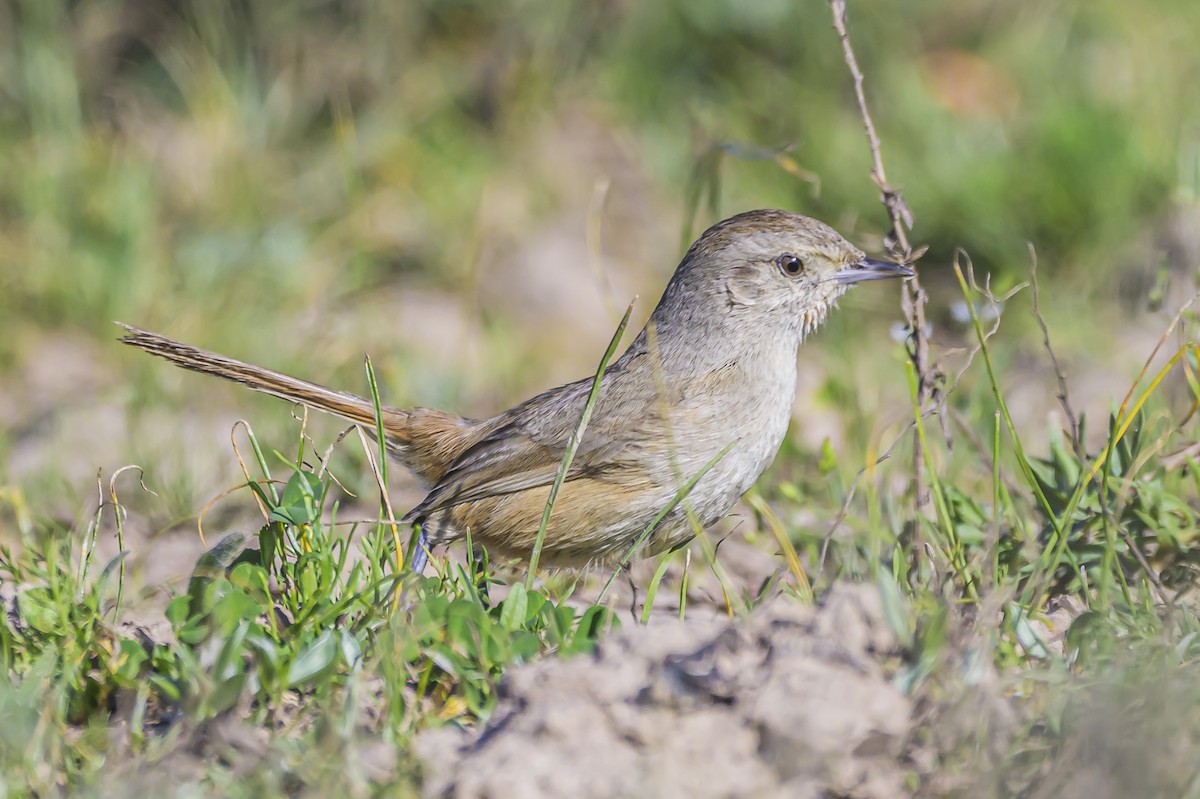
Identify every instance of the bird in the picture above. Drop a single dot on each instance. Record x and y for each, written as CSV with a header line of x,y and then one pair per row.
x,y
704,390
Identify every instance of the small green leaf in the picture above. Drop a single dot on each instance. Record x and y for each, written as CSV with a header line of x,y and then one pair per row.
x,y
253,579
308,584
300,504
828,462
127,662
236,606
317,658
38,609
969,535
594,621
268,652
211,565
227,692
177,610
516,604
535,602
1088,635
351,649
525,645
302,485
230,661
192,631
168,688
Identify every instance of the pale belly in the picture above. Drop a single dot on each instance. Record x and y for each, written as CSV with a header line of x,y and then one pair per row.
x,y
753,424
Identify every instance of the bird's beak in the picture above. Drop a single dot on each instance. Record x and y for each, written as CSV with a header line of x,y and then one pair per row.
x,y
870,269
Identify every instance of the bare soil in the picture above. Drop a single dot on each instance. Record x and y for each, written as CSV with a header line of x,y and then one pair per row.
x,y
792,701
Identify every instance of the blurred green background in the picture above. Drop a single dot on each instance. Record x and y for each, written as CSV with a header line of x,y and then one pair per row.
x,y
472,191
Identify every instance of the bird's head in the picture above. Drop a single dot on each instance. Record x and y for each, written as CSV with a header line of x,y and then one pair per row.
x,y
767,267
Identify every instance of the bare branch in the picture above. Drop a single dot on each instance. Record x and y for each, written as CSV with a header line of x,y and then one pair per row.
x,y
914,297
901,216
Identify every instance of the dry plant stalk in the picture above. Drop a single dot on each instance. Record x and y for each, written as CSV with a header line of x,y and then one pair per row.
x,y
914,297
1064,395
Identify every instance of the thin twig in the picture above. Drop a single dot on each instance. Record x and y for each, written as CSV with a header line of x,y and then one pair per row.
x,y
997,304
1064,396
1177,459
914,298
892,199
1160,589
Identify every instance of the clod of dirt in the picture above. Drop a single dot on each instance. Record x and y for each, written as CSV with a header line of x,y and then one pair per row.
x,y
790,702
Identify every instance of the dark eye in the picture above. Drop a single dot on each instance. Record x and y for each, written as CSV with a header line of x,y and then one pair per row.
x,y
789,264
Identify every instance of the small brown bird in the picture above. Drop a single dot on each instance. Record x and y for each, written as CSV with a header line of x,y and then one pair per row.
x,y
714,367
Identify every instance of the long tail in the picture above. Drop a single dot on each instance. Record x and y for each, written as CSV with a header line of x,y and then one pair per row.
x,y
425,440
349,406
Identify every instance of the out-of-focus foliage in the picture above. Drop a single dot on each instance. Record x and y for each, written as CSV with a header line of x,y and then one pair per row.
x,y
227,149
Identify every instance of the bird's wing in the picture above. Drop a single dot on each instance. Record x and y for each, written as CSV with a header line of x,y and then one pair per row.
x,y
528,444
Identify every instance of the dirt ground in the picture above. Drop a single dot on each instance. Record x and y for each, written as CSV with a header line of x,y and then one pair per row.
x,y
792,701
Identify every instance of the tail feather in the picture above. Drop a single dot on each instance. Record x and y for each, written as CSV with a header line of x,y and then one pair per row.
x,y
340,403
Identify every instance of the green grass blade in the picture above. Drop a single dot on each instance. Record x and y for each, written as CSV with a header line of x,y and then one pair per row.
x,y
572,445
662,514
655,582
385,507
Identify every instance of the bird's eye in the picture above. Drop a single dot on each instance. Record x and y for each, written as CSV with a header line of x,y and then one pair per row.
x,y
789,264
